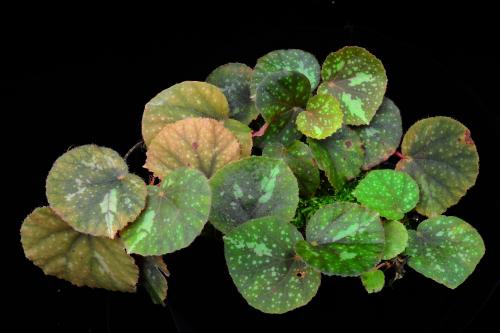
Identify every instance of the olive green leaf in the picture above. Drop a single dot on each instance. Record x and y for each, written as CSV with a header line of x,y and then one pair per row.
x,y
343,239
445,249
396,239
357,79
184,100
250,188
243,133
382,137
299,158
286,60
373,281
201,143
91,189
441,156
390,193
262,263
339,155
234,81
154,278
322,117
84,260
175,214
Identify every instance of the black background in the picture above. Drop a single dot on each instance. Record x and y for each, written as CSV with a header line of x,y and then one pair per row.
x,y
72,76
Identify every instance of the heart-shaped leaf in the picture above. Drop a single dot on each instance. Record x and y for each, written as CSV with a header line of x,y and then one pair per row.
x,y
175,214
339,155
396,239
286,60
184,100
343,239
154,278
250,188
234,81
382,137
357,79
322,117
84,260
262,262
388,192
299,158
445,249
201,143
91,189
373,281
441,156
243,133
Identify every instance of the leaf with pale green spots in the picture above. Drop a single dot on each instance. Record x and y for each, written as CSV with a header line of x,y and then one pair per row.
x,y
442,158
175,214
390,193
154,278
91,189
373,281
234,81
299,158
339,155
396,239
445,249
250,188
262,263
321,118
382,137
82,259
243,133
184,100
357,79
343,239
286,60
201,143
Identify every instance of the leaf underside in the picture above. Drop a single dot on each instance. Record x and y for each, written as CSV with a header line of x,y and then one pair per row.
x,y
373,281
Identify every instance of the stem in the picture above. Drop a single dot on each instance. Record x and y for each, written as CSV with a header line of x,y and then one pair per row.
x,y
398,154
261,130
131,150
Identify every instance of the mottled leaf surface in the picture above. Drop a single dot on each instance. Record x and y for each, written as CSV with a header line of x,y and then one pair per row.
x,y
243,133
91,189
373,281
154,278
321,118
396,239
262,262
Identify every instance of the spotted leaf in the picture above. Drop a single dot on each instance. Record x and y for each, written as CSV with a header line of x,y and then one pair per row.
x,y
396,239
373,281
154,278
243,134
322,117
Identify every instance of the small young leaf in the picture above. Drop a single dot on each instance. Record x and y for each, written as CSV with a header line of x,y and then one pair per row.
x,y
91,189
201,143
243,133
154,278
388,192
299,158
322,117
286,60
250,188
84,260
343,239
339,155
445,249
184,100
175,214
262,263
441,156
357,79
373,281
396,239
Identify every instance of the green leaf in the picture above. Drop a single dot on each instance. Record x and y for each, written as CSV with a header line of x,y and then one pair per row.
x,y
250,188
357,79
243,133
84,260
261,260
299,158
339,155
91,189
382,137
154,278
396,239
441,156
184,100
388,192
322,117
445,249
234,81
373,281
343,239
201,143
286,60
175,214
